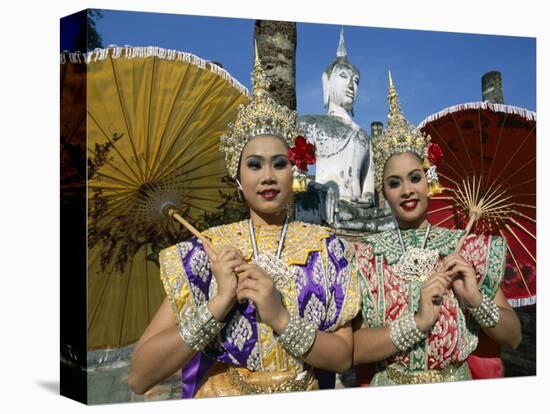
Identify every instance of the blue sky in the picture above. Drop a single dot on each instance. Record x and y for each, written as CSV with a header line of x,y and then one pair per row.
x,y
431,70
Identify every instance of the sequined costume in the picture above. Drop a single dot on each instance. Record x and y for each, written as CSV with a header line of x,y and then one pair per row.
x,y
386,295
318,287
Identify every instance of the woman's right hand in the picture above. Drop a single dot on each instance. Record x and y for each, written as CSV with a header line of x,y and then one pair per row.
x,y
223,267
431,296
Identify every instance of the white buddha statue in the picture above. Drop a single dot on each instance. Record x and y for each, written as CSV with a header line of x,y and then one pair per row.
x,y
343,155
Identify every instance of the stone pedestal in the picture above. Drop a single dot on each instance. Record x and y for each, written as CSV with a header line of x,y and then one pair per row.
x,y
108,379
351,235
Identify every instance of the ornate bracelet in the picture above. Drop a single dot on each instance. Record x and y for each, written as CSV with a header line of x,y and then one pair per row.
x,y
404,333
298,336
201,329
487,313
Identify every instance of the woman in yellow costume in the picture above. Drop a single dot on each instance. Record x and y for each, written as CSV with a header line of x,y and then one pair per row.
x,y
269,307
423,303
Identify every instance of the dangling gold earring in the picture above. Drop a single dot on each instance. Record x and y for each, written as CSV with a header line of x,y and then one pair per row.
x,y
239,191
381,199
433,180
239,186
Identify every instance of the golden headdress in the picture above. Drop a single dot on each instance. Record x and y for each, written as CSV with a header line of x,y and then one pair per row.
x,y
261,116
399,136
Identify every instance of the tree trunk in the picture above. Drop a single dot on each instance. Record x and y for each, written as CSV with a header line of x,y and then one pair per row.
x,y
276,43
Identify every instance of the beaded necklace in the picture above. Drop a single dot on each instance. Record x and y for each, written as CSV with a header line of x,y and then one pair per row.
x,y
271,264
255,244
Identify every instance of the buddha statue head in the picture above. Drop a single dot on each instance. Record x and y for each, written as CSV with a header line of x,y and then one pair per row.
x,y
340,81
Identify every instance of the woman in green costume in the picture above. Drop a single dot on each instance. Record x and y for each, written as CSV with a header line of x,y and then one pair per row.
x,y
423,302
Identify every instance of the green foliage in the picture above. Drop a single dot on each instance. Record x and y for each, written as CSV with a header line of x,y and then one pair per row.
x,y
94,38
88,37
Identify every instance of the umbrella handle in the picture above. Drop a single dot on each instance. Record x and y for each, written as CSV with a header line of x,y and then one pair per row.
x,y
469,226
174,214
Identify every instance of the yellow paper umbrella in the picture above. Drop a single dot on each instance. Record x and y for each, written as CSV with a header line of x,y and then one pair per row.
x,y
154,118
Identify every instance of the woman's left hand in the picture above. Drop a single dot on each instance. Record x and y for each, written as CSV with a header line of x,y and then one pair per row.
x,y
464,283
255,285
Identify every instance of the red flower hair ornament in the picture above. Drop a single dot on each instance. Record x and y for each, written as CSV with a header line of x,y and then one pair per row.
x,y
434,153
302,153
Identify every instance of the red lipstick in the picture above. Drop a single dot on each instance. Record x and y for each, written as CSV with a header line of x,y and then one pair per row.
x,y
269,194
409,205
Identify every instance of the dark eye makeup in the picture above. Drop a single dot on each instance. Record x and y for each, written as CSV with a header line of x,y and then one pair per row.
x,y
416,178
393,183
280,163
253,163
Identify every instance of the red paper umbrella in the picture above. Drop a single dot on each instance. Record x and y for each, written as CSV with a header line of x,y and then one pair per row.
x,y
489,168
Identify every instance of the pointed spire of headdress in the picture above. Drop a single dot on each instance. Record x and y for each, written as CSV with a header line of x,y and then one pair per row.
x,y
259,78
261,115
341,52
256,54
395,116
